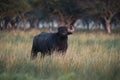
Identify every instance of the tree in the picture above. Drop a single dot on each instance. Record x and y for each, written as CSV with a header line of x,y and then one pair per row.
x,y
13,8
67,11
64,10
106,9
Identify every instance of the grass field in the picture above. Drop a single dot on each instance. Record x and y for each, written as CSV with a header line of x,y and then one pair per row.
x,y
90,56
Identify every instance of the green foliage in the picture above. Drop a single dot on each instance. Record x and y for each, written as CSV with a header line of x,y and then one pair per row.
x,y
13,7
69,76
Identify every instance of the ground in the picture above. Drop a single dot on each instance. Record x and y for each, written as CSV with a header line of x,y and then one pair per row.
x,y
91,55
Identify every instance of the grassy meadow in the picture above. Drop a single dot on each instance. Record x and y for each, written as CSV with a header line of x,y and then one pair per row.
x,y
90,56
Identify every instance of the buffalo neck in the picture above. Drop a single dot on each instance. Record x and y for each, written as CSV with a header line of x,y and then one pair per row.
x,y
61,37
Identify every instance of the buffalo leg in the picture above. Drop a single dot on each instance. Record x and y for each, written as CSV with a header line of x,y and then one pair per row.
x,y
42,55
33,55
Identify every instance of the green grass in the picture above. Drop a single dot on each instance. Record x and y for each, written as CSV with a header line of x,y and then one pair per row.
x,y
90,56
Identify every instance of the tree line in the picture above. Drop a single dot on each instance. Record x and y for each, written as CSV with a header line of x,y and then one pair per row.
x,y
66,11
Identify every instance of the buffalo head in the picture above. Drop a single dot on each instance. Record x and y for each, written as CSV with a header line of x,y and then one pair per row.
x,y
64,31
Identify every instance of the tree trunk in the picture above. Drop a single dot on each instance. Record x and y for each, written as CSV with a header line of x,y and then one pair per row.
x,y
60,16
62,19
21,15
24,24
108,26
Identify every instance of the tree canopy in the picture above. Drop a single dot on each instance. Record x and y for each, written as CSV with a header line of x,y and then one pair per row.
x,y
13,7
65,10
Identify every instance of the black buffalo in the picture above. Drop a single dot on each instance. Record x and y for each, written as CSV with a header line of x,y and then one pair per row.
x,y
46,42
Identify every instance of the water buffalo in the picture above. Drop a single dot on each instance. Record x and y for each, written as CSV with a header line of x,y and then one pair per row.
x,y
46,42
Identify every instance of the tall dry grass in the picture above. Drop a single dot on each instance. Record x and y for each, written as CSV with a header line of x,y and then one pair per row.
x,y
90,56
